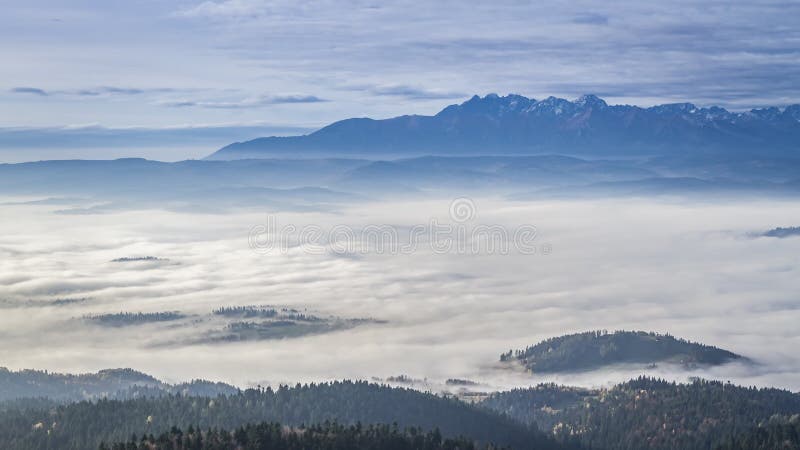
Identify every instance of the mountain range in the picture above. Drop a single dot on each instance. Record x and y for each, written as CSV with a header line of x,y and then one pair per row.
x,y
517,125
511,146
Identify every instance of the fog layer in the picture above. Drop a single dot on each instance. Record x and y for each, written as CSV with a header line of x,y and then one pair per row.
x,y
690,269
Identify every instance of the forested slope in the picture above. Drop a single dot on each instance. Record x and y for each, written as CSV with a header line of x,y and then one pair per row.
x,y
87,424
646,413
274,436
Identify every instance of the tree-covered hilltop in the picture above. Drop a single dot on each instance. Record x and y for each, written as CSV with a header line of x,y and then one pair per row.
x,y
111,383
779,432
86,424
646,412
280,329
231,324
595,349
263,322
57,386
274,436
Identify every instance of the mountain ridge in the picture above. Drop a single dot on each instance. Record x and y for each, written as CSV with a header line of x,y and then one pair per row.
x,y
517,125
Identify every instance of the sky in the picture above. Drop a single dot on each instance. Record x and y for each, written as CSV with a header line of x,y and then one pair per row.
x,y
287,67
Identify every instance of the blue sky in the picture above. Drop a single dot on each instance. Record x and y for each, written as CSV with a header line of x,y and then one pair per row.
x,y
294,65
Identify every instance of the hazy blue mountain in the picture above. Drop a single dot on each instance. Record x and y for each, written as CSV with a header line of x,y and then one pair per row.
x,y
494,125
491,172
85,187
781,232
676,186
131,175
98,186
109,383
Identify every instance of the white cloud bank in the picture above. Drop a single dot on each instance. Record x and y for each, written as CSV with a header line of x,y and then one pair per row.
x,y
686,269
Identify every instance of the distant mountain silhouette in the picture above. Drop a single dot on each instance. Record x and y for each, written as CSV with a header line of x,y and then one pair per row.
x,y
514,125
95,187
781,232
109,383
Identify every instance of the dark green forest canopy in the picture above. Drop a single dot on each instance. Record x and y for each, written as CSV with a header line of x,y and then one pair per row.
x,y
595,349
274,436
779,432
642,413
86,424
646,412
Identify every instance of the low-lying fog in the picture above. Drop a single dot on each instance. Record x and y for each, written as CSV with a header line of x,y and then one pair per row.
x,y
690,269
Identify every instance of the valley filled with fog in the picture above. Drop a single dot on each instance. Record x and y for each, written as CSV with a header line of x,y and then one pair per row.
x,y
695,269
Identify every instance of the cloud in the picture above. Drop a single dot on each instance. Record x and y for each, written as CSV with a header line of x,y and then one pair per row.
x,y
414,92
740,56
166,143
668,266
29,90
591,19
294,99
254,102
126,91
111,90
90,92
229,8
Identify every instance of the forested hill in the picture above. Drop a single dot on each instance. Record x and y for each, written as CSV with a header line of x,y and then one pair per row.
x,y
274,436
649,413
111,383
86,424
595,349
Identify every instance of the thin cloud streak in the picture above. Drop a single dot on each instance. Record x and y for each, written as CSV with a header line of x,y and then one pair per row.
x,y
91,92
29,90
258,102
414,93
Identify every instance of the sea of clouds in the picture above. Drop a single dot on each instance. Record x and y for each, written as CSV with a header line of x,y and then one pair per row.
x,y
692,269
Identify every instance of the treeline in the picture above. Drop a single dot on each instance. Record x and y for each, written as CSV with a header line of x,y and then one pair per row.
x,y
459,382
274,436
138,258
265,312
646,412
246,312
86,424
300,317
595,349
129,318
